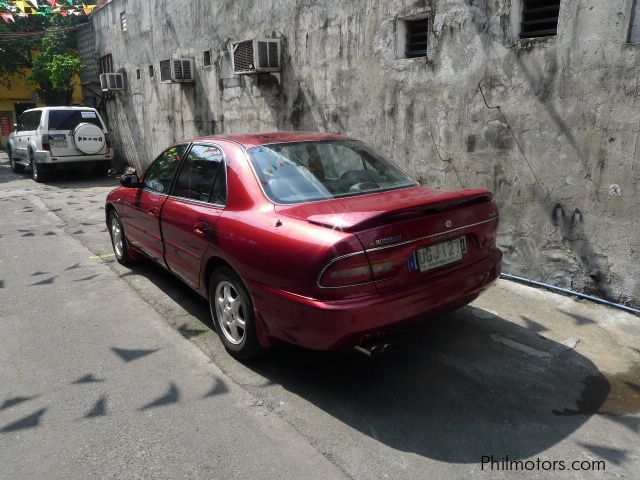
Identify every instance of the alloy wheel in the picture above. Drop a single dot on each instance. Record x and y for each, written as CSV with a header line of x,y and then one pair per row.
x,y
230,312
116,236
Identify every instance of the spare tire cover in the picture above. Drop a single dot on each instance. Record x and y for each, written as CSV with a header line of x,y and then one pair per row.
x,y
88,138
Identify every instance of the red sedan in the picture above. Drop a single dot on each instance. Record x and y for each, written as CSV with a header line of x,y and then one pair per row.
x,y
308,238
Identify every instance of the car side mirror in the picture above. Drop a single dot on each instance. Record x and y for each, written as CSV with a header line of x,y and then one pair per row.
x,y
130,181
16,127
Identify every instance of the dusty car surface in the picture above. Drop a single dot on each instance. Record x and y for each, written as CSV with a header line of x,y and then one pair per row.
x,y
52,138
308,238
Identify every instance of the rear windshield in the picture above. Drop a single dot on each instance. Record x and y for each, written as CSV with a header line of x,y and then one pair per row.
x,y
310,171
69,119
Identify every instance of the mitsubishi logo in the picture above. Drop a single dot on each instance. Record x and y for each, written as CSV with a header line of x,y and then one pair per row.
x,y
385,241
448,223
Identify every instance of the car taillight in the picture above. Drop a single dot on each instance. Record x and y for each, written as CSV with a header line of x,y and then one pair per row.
x,y
45,143
346,272
107,139
386,264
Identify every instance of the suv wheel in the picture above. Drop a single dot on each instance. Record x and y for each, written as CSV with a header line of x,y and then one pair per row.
x,y
232,313
37,171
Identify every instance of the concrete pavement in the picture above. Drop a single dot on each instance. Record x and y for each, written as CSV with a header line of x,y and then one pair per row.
x,y
95,384
100,375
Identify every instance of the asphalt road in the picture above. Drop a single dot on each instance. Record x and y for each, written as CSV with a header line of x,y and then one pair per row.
x,y
108,372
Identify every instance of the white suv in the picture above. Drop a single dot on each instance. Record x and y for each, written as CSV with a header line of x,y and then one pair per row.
x,y
60,137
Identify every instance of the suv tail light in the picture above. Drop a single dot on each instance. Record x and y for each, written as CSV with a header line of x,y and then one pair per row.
x,y
346,272
45,143
107,139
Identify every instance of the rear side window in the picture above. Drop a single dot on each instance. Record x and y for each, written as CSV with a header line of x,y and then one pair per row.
x,y
69,119
30,120
201,171
160,174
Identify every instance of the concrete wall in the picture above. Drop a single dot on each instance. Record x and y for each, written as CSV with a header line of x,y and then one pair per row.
x,y
89,75
551,126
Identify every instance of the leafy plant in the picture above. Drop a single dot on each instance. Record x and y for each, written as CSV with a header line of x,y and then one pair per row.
x,y
15,53
52,58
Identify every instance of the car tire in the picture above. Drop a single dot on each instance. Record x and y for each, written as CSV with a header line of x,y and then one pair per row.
x,y
38,173
15,167
232,313
119,241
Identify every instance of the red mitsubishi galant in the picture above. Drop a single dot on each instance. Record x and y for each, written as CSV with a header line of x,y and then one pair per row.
x,y
308,238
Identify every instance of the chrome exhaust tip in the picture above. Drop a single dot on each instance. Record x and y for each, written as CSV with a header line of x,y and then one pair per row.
x,y
371,351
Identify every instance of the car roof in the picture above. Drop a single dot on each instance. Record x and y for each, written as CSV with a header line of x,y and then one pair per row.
x,y
249,140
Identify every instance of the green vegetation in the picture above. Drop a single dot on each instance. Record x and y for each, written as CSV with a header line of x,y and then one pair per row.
x,y
53,57
15,53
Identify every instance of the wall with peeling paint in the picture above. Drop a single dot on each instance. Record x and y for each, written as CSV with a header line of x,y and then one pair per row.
x,y
550,126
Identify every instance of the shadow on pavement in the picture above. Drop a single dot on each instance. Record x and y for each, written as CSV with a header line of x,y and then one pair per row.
x,y
466,385
177,291
64,179
30,421
450,391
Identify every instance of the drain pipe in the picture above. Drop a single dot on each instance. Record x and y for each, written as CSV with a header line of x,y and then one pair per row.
x,y
569,292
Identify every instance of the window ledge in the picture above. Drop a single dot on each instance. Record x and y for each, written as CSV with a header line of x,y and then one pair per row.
x,y
527,43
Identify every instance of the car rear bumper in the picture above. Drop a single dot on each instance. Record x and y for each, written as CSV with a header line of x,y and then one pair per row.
x,y
46,157
323,325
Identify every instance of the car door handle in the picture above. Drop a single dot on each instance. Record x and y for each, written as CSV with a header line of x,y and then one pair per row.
x,y
202,228
153,211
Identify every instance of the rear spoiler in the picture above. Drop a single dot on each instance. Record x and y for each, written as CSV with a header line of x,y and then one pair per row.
x,y
441,202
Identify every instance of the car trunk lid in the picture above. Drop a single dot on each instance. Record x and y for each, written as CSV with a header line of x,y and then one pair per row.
x,y
394,227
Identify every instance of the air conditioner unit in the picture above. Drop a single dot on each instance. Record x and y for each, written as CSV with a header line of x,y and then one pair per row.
x,y
256,56
176,70
111,82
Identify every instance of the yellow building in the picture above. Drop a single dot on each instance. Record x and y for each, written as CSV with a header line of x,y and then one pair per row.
x,y
19,94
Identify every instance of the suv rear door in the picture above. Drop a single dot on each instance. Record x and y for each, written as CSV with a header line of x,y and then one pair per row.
x,y
60,126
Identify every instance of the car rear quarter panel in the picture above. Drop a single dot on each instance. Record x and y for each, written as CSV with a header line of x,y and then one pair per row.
x,y
263,247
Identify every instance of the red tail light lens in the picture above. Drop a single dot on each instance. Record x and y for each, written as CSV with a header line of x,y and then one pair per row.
x,y
45,143
346,272
107,139
386,264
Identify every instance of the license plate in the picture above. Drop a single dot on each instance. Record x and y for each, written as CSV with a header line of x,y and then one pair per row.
x,y
440,254
58,141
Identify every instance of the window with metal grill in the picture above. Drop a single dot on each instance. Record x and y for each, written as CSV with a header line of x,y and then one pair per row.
x,y
416,41
106,64
165,70
539,18
123,22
